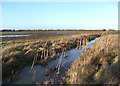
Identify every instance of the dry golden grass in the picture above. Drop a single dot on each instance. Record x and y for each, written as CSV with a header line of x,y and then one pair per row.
x,y
98,65
15,56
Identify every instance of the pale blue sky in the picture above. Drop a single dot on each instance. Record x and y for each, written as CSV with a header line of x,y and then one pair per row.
x,y
80,15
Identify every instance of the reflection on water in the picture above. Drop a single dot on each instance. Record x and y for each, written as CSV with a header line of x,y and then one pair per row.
x,y
38,72
13,35
26,77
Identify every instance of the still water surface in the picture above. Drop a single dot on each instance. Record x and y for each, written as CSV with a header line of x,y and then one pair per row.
x,y
39,72
13,35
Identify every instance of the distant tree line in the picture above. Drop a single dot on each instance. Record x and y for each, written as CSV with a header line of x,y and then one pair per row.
x,y
10,30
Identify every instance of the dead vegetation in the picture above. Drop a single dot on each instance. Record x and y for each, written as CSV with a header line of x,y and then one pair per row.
x,y
98,65
14,57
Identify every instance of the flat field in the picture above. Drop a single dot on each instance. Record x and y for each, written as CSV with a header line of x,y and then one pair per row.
x,y
40,35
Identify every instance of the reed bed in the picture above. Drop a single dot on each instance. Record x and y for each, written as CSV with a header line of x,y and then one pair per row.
x,y
16,56
98,65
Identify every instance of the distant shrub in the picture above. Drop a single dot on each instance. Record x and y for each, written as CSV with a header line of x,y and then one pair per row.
x,y
104,29
111,30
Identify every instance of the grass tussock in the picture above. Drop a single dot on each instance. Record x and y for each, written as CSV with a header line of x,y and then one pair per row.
x,y
98,65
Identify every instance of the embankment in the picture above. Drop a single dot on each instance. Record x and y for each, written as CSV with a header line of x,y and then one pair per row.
x,y
98,65
14,57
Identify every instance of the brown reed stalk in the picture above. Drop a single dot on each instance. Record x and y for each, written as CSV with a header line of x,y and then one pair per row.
x,y
33,62
47,52
64,53
80,45
107,40
58,66
45,56
54,51
86,43
12,74
85,40
52,81
64,62
83,43
77,44
42,55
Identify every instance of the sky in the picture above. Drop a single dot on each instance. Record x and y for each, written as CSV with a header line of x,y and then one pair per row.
x,y
60,15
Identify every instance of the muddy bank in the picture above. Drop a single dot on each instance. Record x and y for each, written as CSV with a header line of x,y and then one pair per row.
x,y
98,65
16,56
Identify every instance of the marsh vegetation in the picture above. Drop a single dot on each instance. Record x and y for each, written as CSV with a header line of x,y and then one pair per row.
x,y
98,65
18,52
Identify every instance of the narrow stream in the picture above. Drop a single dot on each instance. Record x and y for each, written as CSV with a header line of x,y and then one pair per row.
x,y
38,73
